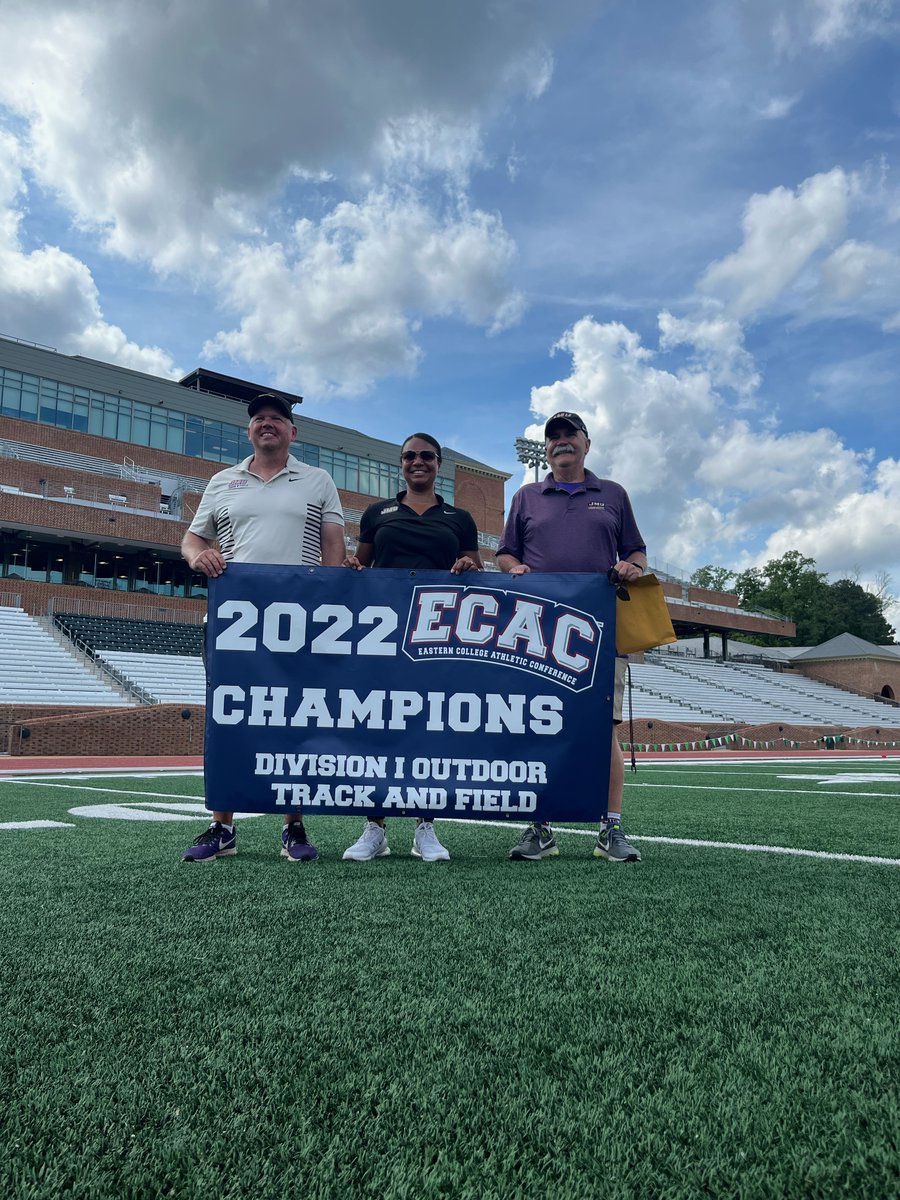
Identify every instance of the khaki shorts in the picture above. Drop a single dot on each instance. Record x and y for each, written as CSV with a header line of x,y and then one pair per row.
x,y
619,690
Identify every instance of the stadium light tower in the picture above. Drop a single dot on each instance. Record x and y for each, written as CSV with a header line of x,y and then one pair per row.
x,y
531,454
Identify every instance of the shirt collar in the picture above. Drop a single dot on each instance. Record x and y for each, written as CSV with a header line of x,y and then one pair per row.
x,y
293,466
590,480
401,496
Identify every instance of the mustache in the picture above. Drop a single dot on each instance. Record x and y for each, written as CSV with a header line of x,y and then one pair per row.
x,y
563,448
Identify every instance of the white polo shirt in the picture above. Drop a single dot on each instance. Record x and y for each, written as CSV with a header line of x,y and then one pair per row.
x,y
278,520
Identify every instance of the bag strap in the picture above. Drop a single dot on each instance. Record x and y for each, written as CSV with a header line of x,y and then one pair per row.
x,y
631,720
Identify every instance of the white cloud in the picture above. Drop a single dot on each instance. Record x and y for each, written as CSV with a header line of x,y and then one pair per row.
x,y
861,529
783,230
270,149
778,107
718,343
853,268
836,21
339,303
707,486
253,95
48,296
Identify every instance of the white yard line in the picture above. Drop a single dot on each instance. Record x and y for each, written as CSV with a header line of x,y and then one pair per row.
x,y
751,848
705,787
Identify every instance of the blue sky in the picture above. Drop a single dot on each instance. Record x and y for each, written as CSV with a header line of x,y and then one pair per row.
x,y
682,221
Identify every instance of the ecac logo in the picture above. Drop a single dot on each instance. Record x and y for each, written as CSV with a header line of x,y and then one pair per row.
x,y
527,633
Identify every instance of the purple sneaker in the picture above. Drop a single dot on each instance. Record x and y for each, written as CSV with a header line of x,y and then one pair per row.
x,y
214,842
295,845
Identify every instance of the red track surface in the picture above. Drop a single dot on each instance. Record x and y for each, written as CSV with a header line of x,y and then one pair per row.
x,y
21,764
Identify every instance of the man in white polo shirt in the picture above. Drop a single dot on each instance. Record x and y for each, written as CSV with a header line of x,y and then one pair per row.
x,y
270,508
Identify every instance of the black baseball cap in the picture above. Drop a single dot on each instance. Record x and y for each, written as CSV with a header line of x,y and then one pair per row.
x,y
570,418
273,400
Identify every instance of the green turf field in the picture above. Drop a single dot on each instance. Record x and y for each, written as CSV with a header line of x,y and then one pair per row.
x,y
710,1022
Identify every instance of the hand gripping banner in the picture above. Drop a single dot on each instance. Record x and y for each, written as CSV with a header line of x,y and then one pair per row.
x,y
415,693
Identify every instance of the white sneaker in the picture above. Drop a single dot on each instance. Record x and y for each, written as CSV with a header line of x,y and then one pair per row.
x,y
426,845
372,844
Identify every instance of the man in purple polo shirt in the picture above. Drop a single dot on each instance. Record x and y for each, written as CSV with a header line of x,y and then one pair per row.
x,y
573,521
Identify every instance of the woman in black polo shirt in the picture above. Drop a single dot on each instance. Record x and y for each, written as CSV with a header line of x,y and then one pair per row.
x,y
418,531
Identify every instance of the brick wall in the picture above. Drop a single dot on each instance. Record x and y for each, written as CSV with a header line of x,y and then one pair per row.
x,y
154,730
163,729
35,597
108,448
47,479
656,732
867,677
95,524
11,714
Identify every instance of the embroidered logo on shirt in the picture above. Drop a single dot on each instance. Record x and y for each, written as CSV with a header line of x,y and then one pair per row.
x,y
596,504
238,483
392,508
449,512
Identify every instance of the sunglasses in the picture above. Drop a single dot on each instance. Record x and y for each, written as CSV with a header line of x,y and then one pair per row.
x,y
410,456
621,592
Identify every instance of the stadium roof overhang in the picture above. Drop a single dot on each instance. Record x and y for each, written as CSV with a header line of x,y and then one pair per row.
x,y
203,380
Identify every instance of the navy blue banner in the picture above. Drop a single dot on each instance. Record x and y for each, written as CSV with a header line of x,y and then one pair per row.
x,y
414,693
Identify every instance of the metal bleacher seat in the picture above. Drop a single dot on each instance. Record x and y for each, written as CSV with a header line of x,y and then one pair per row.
x,y
753,695
168,678
114,633
36,669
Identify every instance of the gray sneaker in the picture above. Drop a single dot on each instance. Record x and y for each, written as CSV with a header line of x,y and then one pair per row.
x,y
537,842
427,846
371,844
613,845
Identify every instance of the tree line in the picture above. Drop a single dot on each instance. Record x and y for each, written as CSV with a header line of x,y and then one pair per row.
x,y
791,587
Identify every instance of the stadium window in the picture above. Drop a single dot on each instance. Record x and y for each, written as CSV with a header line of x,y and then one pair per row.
x,y
28,410
158,428
110,416
63,418
175,433
231,444
95,414
140,424
12,395
212,440
48,402
193,439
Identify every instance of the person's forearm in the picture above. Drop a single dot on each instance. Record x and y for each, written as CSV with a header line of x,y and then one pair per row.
x,y
192,545
506,562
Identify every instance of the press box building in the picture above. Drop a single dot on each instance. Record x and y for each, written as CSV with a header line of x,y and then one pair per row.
x,y
102,468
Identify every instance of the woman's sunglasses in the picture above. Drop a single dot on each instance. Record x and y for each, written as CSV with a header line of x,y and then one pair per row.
x,y
409,456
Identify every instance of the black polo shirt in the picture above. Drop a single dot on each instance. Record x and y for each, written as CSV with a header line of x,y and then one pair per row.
x,y
401,538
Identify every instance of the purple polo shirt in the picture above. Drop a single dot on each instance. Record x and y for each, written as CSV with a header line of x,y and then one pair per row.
x,y
550,530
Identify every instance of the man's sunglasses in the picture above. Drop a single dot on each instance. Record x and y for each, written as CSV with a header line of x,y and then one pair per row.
x,y
621,591
410,456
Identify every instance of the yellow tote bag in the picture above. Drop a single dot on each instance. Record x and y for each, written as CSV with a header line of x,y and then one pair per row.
x,y
642,619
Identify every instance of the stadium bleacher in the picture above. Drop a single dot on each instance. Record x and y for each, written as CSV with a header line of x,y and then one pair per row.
x,y
670,686
160,658
36,669
145,637
168,678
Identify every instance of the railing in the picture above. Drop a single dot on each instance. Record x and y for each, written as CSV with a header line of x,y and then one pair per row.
x,y
8,337
88,496
134,690
10,599
128,612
